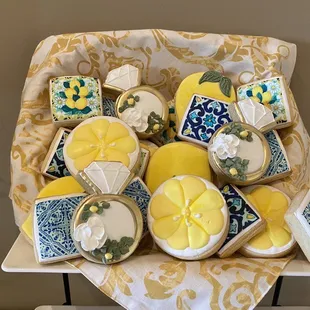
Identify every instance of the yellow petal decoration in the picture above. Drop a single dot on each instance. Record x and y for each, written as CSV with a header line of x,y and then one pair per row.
x,y
257,90
83,91
101,138
186,213
272,206
81,103
74,83
70,92
266,97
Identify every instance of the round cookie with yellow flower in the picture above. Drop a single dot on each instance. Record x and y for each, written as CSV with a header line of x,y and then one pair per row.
x,y
210,84
101,138
74,99
276,240
188,217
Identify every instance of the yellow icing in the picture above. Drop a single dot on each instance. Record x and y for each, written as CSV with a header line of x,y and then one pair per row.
x,y
190,86
179,158
272,206
62,186
187,213
100,140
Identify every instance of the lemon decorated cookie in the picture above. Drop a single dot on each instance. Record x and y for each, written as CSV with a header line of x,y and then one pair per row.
x,y
175,159
188,217
276,240
212,84
101,138
62,186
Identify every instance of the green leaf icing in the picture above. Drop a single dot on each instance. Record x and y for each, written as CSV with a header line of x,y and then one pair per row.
x,y
236,129
241,165
126,105
154,119
87,213
217,77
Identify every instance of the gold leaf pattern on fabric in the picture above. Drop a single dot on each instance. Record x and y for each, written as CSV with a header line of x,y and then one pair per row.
x,y
165,59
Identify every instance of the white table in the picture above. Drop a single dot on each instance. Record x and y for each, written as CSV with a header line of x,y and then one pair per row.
x,y
21,259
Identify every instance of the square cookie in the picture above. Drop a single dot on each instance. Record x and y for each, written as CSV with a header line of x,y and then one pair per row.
x,y
139,192
298,219
74,99
279,166
51,228
202,118
54,164
245,221
273,93
144,160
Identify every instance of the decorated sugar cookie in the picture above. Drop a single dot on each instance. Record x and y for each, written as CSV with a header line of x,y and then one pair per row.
x,y
239,153
51,228
188,217
74,99
272,93
62,186
144,160
103,139
253,113
245,220
104,177
106,229
279,166
298,219
54,164
124,77
176,159
144,109
209,84
148,145
203,117
276,240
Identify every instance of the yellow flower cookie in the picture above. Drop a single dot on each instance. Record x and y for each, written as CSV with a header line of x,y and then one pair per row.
x,y
188,217
210,86
276,240
175,159
101,138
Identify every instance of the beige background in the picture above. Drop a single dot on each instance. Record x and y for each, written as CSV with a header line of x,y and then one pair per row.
x,y
24,23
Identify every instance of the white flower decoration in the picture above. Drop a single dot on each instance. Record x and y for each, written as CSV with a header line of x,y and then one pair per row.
x,y
225,146
135,118
91,234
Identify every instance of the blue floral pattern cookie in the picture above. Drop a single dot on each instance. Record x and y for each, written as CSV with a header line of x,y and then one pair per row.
x,y
202,118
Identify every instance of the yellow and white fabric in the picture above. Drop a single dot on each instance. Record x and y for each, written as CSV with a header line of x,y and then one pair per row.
x,y
151,279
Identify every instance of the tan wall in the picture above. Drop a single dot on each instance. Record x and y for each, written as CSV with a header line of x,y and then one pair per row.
x,y
24,23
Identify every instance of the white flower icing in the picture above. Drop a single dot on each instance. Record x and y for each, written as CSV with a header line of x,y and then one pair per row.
x,y
225,146
91,234
135,118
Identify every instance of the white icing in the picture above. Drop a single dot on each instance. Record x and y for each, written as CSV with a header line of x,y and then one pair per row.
x,y
133,157
189,253
118,221
148,102
124,77
256,114
109,177
91,234
135,118
253,151
273,250
225,146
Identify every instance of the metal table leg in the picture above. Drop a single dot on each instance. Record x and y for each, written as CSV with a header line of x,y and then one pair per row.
x,y
277,291
66,284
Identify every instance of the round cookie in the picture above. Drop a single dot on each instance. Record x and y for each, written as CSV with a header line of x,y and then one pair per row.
x,y
144,109
62,186
210,86
239,153
188,217
175,159
276,240
101,138
107,229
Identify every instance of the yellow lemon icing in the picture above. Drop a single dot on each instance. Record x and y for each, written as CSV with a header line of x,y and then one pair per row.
x,y
272,205
101,138
188,217
190,86
175,159
63,186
